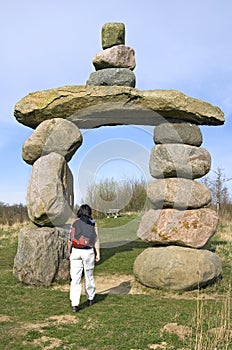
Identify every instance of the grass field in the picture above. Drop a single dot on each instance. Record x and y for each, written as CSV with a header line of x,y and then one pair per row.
x,y
41,317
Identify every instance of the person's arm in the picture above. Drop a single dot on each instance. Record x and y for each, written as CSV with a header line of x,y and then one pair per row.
x,y
97,245
71,236
69,248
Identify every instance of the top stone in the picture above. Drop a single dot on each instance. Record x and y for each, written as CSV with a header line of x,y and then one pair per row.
x,y
113,34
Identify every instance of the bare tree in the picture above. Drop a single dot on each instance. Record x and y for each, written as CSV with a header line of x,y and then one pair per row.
x,y
220,194
127,195
11,214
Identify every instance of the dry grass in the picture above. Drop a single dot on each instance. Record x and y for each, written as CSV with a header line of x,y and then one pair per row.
x,y
15,227
225,230
207,335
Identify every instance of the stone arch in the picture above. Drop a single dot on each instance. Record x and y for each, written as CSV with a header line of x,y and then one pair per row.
x,y
180,216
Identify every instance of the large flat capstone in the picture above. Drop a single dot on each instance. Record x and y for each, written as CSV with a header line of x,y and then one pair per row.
x,y
94,106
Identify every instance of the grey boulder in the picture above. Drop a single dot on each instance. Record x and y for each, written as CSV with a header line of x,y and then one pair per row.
x,y
42,255
50,191
178,160
54,135
112,76
190,228
178,193
178,132
177,268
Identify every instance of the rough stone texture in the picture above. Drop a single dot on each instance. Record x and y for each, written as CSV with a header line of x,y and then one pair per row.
x,y
50,191
178,160
191,228
112,76
177,268
42,255
93,106
119,56
113,34
54,135
178,132
178,193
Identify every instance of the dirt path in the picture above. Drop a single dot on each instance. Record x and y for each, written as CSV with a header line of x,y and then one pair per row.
x,y
115,284
126,284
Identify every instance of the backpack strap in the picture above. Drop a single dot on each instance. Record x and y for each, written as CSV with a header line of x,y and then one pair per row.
x,y
72,230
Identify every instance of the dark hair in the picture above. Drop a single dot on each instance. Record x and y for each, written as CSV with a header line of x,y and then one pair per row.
x,y
84,210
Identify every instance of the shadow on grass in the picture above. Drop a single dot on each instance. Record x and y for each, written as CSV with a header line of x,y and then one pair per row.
x,y
98,299
110,249
121,289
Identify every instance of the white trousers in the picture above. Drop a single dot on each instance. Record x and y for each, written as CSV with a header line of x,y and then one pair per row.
x,y
82,259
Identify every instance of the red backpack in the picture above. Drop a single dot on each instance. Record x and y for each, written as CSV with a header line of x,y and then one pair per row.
x,y
82,234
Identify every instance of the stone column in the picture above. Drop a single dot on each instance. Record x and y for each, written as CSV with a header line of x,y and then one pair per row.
x,y
115,64
181,221
42,246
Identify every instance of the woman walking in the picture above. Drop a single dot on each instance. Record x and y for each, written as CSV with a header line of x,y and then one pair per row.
x,y
85,250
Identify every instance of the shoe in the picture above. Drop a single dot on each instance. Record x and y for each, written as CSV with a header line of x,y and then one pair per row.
x,y
75,308
90,302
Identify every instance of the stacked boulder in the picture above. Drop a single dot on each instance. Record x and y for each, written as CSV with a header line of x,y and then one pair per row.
x,y
181,222
42,250
114,65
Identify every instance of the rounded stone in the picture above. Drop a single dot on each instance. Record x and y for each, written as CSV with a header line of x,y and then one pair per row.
x,y
54,135
189,228
50,191
177,268
178,193
113,34
178,160
178,132
112,76
119,56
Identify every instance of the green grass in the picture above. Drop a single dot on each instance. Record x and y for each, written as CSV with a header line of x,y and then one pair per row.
x,y
114,232
40,317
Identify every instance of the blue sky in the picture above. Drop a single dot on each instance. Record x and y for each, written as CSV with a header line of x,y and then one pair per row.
x,y
182,45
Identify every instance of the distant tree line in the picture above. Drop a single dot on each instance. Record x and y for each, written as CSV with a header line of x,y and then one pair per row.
x,y
11,214
128,196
